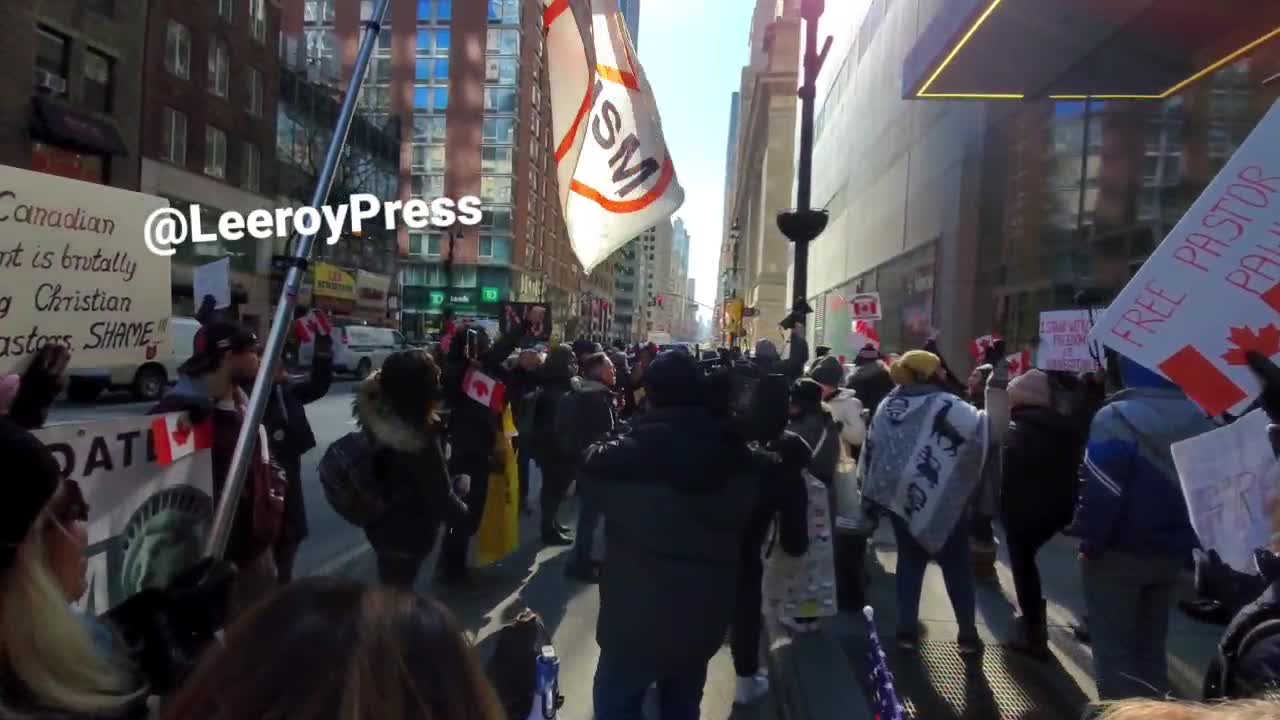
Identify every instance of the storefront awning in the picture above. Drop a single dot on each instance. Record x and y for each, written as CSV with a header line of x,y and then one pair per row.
x,y
1072,49
63,125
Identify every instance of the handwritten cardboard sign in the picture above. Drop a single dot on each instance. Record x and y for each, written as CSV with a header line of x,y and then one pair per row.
x,y
1211,290
1064,341
1227,479
213,279
74,271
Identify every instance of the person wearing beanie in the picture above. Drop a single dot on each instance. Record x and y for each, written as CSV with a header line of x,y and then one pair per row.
x,y
525,381
1041,459
675,511
557,374
926,455
870,380
983,536
58,661
586,416
766,356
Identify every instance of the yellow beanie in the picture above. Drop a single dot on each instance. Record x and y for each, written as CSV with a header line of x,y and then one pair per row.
x,y
914,367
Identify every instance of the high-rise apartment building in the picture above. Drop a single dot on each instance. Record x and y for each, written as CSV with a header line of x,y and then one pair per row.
x,y
466,83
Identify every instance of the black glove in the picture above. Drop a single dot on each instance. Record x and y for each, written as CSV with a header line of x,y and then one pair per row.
x,y
166,629
1217,581
40,386
795,452
1269,375
207,309
323,348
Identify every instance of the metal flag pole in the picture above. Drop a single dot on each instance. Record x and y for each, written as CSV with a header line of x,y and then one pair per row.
x,y
231,491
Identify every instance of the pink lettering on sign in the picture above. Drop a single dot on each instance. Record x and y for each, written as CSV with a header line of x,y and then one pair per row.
x,y
1153,307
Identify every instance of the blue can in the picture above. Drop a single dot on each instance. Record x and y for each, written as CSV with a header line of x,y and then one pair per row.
x,y
548,682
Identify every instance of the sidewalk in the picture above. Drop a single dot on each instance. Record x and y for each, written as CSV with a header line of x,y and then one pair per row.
x,y
814,672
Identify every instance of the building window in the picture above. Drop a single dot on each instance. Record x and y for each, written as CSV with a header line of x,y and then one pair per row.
x,y
258,20
500,99
464,277
428,158
428,186
434,241
177,50
366,10
495,189
318,11
485,247
224,8
495,160
440,11
173,136
219,68
504,11
51,62
504,41
431,70
254,78
431,99
97,81
504,71
499,130
215,152
252,167
428,129
433,42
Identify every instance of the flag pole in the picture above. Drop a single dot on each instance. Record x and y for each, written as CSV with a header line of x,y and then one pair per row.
x,y
231,492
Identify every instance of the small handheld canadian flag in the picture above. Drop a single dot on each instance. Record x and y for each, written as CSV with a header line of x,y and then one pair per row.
x,y
865,329
485,390
175,438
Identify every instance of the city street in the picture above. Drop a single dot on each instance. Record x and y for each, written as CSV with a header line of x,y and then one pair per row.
x,y
533,577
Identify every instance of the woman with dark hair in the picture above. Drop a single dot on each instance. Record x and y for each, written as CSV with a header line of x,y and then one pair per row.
x,y
330,649
396,408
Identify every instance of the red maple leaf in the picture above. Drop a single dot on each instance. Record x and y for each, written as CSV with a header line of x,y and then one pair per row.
x,y
180,434
1265,341
480,388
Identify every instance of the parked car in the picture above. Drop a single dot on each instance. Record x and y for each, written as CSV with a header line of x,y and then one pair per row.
x,y
358,349
146,381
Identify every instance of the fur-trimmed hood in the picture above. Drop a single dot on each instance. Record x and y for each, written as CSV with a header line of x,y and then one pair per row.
x,y
375,417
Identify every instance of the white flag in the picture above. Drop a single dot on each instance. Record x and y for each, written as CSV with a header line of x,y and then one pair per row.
x,y
616,178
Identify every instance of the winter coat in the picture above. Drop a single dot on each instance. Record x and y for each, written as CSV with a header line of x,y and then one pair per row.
x,y
546,448
1041,455
1130,497
846,409
290,436
872,383
599,413
675,510
825,457
410,470
473,427
191,395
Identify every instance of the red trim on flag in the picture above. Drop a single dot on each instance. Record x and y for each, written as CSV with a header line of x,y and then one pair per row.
x,y
567,143
1202,381
619,77
628,206
162,441
1272,298
553,11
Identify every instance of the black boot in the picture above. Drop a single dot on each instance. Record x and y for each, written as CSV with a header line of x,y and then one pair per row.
x,y
1033,639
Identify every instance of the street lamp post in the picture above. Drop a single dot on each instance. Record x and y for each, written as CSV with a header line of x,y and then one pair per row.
x,y
735,235
802,223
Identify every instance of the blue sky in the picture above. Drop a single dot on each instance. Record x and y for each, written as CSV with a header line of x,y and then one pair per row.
x,y
693,52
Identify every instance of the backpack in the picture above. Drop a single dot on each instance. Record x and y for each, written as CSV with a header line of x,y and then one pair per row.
x,y
570,429
347,473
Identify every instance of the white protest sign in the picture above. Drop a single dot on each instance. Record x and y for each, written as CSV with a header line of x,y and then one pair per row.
x,y
74,270
865,306
147,521
1211,290
1064,341
213,279
1226,477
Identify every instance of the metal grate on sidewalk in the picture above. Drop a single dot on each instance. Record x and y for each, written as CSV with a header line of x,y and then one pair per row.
x,y
936,683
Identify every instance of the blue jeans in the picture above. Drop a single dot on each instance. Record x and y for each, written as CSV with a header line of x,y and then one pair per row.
x,y
957,575
621,685
585,535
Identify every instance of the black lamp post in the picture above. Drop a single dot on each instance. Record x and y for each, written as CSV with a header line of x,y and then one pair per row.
x,y
802,224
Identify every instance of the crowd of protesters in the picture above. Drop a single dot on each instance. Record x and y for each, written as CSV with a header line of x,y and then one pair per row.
x,y
697,499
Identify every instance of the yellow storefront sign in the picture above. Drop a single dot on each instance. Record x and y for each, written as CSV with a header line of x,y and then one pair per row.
x,y
332,281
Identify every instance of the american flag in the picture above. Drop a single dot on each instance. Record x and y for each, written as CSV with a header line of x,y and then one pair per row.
x,y
887,705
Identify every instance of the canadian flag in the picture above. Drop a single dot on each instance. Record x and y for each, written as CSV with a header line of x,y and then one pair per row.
x,y
175,437
865,329
311,325
616,177
485,390
978,348
1019,363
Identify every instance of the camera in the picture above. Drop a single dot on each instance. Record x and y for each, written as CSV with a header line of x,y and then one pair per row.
x,y
754,404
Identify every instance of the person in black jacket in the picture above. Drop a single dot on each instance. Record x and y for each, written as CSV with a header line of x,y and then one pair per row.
x,y
870,379
1041,456
595,417
396,407
558,371
524,384
290,437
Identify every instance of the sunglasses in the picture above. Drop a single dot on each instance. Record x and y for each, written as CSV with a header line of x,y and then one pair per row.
x,y
71,506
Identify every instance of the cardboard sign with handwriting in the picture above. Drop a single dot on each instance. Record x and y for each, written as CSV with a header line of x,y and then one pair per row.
x,y
1211,291
74,271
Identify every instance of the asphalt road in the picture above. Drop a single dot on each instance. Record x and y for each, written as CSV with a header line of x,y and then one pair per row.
x,y
532,577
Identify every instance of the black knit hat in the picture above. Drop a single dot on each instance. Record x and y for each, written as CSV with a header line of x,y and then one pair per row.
x,y
31,478
806,394
213,341
560,364
828,371
868,354
674,380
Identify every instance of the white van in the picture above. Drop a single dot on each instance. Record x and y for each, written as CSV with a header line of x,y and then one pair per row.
x,y
147,381
358,349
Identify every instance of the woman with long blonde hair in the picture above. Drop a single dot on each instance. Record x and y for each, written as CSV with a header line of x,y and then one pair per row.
x,y
54,662
1259,709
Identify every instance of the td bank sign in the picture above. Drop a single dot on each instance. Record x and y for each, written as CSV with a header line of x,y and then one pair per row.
x,y
460,296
